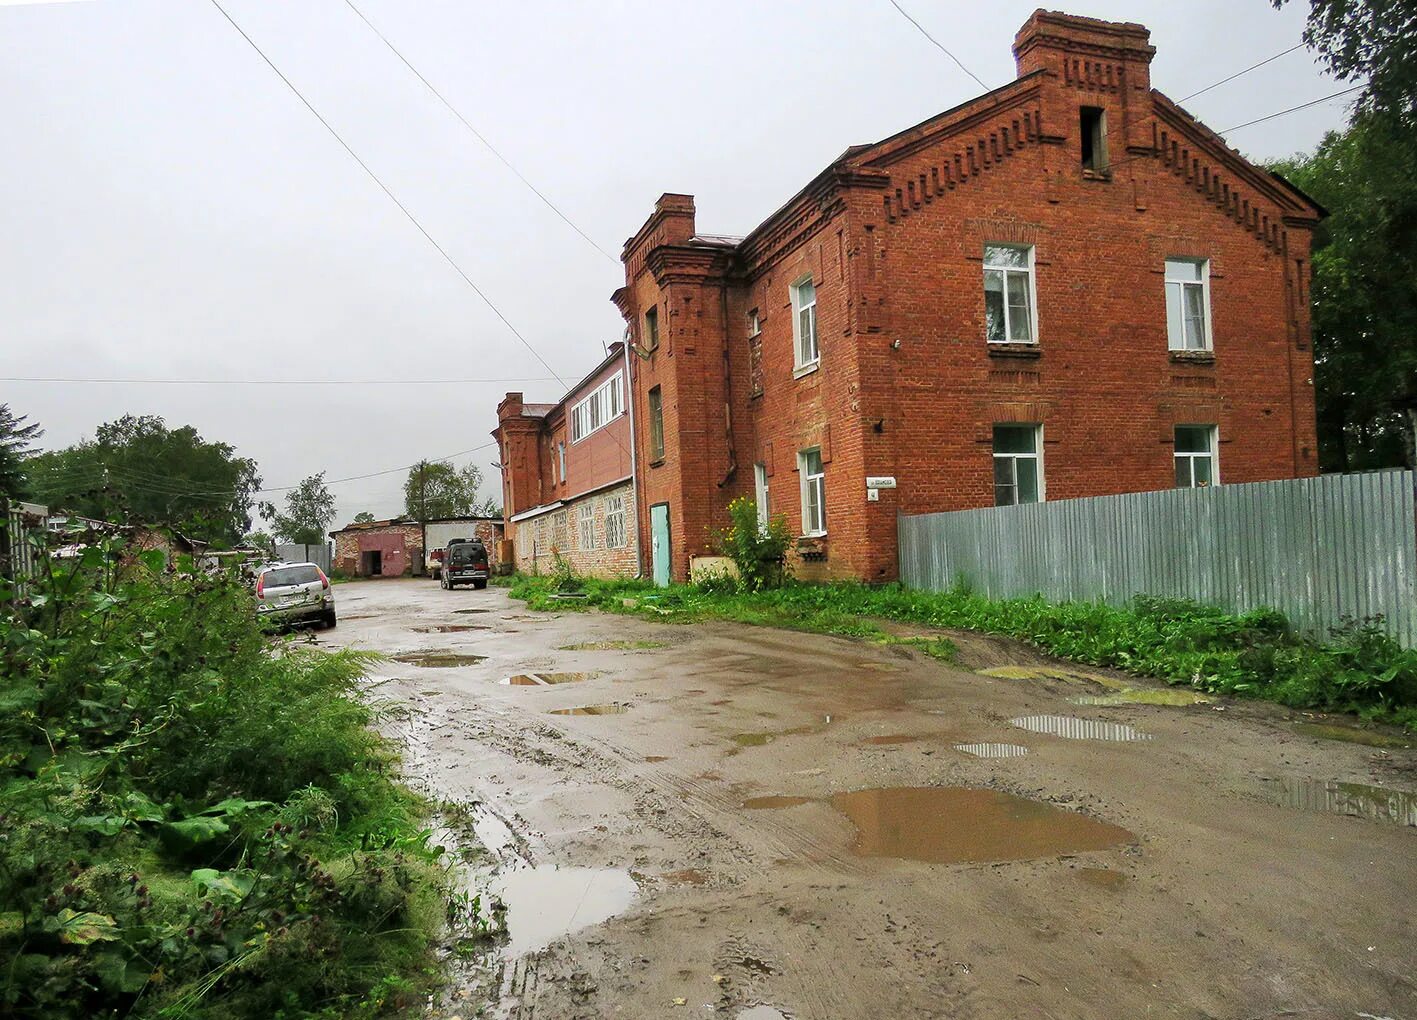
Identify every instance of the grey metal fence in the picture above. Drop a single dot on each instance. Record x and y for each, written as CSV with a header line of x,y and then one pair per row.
x,y
1318,549
316,554
20,524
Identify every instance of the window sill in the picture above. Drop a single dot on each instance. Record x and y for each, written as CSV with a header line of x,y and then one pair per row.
x,y
805,370
1014,350
1193,357
812,548
1096,175
657,463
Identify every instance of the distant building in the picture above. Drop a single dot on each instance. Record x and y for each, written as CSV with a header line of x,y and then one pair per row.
x,y
1065,287
567,476
397,546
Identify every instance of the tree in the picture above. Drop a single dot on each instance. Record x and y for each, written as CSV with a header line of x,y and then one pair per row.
x,y
1364,292
309,509
137,466
364,517
15,440
436,489
259,540
1371,40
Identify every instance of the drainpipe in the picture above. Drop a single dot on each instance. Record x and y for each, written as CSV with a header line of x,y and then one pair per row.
x,y
634,458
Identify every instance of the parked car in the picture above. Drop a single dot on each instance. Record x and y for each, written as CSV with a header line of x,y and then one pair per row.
x,y
433,562
465,563
294,593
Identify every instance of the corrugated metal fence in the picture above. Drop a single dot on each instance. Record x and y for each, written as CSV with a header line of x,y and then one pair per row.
x,y
20,523
1318,549
316,554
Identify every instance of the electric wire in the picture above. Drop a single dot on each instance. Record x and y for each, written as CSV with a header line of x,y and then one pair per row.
x,y
272,382
940,45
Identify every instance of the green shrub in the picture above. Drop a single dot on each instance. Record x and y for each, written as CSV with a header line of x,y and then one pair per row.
x,y
759,552
195,820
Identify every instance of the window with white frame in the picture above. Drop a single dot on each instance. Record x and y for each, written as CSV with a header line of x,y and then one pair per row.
x,y
615,522
755,324
1018,464
1188,304
760,495
599,409
585,525
554,476
559,531
1196,465
804,323
814,492
1009,294
561,457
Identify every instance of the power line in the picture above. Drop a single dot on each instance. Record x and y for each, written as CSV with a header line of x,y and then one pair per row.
x,y
939,44
387,191
1222,81
479,135
275,382
1293,109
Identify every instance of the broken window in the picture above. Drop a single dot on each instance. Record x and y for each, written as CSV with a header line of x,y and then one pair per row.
x,y
1018,466
1093,130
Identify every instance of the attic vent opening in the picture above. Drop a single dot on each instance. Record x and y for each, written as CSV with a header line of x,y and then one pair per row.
x,y
1092,123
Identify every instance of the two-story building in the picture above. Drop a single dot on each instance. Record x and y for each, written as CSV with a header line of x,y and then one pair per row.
x,y
1065,287
568,487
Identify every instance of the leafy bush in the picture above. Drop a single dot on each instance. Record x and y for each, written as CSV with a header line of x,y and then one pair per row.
x,y
194,820
759,552
1255,654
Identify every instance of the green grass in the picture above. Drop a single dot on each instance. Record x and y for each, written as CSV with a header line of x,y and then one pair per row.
x,y
1253,655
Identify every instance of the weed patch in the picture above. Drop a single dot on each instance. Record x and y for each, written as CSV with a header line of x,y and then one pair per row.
x,y
1253,655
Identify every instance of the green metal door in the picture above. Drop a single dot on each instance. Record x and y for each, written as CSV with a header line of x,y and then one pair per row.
x,y
659,543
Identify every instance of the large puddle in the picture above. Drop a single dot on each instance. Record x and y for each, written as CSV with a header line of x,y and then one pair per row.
x,y
592,710
546,903
1074,728
954,825
613,646
439,660
1360,800
1350,735
545,679
1144,696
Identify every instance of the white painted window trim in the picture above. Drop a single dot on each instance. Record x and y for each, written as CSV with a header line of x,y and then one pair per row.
x,y
1036,456
1031,273
615,523
761,495
755,324
606,400
1204,284
820,481
585,527
1212,454
802,366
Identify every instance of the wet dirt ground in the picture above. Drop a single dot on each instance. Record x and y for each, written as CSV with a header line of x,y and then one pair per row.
x,y
760,823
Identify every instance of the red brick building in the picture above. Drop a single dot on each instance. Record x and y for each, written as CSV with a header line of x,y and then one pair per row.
x,y
567,476
1065,287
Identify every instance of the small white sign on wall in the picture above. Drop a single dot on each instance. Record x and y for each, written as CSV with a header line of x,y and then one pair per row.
x,y
873,495
880,481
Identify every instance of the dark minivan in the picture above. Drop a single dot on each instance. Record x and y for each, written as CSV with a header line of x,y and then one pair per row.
x,y
465,563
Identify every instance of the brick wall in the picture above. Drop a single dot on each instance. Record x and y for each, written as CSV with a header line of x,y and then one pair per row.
x,y
400,547
540,538
893,237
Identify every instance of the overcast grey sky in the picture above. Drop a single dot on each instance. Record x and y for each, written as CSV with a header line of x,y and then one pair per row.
x,y
171,210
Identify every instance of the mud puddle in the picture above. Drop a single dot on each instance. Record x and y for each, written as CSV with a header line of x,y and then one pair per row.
x,y
612,646
761,739
1144,696
955,825
1358,800
1350,735
655,759
775,802
592,710
1074,728
439,660
546,679
993,750
451,628
545,903
462,611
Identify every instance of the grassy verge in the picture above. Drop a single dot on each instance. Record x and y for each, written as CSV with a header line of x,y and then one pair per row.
x,y
1254,654
197,820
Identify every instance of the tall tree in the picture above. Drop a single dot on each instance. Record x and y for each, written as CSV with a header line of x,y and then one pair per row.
x,y
309,509
139,467
15,440
1364,292
1374,41
364,517
436,489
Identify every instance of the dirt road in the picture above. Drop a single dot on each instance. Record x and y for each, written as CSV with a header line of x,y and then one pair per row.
x,y
806,825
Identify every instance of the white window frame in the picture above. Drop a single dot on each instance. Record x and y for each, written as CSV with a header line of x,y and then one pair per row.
x,y
755,324
1179,343
604,404
585,526
561,456
799,346
1004,272
760,495
615,537
813,480
1212,454
1036,456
